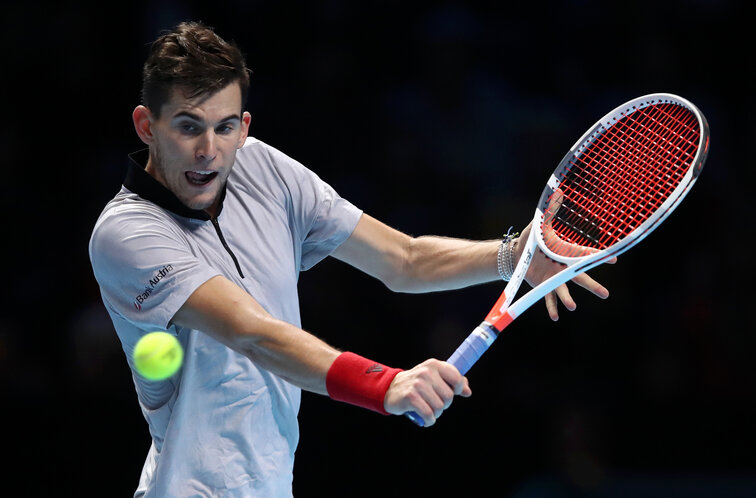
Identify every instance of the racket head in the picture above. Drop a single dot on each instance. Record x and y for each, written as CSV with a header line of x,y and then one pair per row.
x,y
621,179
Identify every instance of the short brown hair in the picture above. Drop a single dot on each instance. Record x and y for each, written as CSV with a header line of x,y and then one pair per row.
x,y
193,57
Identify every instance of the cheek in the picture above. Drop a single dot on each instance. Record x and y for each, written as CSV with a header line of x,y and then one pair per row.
x,y
174,153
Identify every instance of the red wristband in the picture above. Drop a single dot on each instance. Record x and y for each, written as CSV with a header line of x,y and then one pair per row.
x,y
359,381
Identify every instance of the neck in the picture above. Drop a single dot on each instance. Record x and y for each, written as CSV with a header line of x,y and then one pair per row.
x,y
212,211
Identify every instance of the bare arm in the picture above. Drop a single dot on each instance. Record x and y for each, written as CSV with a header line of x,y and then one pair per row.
x,y
226,312
429,263
418,264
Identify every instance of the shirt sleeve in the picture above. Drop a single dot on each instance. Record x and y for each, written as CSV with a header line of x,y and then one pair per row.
x,y
333,222
319,216
145,267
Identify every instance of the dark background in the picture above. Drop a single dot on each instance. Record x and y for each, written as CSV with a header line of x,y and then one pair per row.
x,y
437,118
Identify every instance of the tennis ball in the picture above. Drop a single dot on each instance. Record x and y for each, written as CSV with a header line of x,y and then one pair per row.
x,y
158,355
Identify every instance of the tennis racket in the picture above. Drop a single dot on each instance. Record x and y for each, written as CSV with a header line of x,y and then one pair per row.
x,y
624,176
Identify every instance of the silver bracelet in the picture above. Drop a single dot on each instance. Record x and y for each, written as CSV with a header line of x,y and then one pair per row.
x,y
505,258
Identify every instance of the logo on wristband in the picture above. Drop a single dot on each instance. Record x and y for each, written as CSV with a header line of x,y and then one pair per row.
x,y
375,367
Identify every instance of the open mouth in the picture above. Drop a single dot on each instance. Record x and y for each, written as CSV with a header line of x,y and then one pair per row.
x,y
200,177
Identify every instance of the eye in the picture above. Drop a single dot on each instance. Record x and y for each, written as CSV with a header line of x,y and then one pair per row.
x,y
188,128
225,128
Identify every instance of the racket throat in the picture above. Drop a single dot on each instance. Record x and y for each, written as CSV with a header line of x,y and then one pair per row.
x,y
502,321
500,315
487,332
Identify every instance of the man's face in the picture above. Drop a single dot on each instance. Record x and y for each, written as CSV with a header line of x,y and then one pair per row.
x,y
194,144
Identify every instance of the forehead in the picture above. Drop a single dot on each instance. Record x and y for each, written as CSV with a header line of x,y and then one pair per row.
x,y
222,103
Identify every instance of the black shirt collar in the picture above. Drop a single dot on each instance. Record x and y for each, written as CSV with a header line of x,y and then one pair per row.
x,y
145,186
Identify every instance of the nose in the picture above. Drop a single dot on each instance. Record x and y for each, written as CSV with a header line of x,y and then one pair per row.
x,y
206,147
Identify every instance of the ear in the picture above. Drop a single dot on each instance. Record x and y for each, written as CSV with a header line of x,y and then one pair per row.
x,y
142,118
245,121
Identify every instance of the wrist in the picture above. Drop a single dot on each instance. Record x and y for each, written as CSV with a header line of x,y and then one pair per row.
x,y
507,255
517,249
359,381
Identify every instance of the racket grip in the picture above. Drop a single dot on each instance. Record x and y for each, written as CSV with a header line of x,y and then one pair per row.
x,y
466,355
473,348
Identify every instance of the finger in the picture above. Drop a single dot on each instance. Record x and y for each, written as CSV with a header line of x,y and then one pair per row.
x,y
555,202
563,292
427,414
551,306
441,397
438,402
455,380
434,391
587,283
465,392
418,404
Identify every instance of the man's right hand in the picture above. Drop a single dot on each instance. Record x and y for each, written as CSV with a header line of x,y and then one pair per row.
x,y
427,389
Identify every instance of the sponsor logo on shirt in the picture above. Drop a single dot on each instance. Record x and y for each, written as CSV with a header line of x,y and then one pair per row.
x,y
149,289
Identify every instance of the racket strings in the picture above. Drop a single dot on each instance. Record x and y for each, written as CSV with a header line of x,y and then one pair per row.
x,y
601,181
620,178
639,189
622,189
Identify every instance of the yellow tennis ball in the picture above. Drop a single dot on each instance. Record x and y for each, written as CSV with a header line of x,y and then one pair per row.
x,y
158,355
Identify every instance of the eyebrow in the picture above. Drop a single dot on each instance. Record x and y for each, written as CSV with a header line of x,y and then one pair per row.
x,y
192,116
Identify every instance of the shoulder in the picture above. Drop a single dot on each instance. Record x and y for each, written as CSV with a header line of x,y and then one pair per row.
x,y
263,168
254,148
259,158
127,210
128,222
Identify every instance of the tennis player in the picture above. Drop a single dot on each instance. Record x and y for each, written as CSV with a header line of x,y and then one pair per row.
x,y
206,240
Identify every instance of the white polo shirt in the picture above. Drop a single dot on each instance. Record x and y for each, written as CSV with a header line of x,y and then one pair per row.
x,y
222,426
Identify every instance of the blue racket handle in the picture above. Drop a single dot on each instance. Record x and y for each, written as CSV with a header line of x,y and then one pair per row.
x,y
466,355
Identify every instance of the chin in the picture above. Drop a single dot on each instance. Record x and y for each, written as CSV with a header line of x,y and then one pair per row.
x,y
198,205
203,199
199,202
